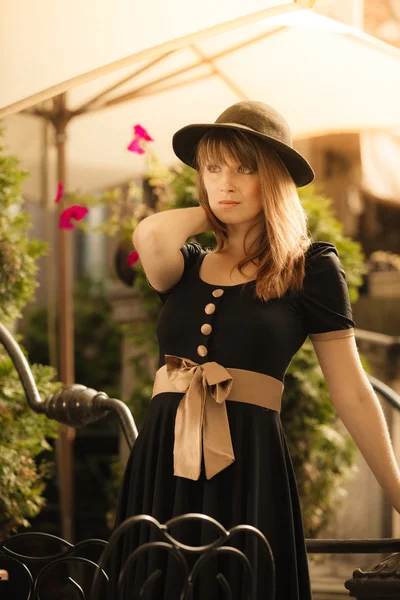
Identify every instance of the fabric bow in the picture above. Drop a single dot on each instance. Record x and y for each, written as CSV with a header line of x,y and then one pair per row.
x,y
201,419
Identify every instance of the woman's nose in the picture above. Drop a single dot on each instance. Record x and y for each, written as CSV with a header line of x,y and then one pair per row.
x,y
226,183
226,188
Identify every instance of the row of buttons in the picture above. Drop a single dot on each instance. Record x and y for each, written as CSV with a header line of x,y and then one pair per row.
x,y
206,328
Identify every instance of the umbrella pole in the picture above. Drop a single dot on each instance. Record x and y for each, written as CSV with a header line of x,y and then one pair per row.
x,y
66,365
50,281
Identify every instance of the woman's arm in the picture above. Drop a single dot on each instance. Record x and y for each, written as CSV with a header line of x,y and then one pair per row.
x,y
175,225
359,408
158,240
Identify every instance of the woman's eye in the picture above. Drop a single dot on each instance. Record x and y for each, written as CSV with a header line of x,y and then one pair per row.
x,y
212,168
245,170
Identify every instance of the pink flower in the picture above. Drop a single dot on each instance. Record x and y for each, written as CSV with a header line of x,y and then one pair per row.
x,y
75,212
60,193
135,146
140,132
133,258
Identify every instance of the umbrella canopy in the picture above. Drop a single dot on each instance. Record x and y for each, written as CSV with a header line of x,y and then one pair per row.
x,y
323,76
59,45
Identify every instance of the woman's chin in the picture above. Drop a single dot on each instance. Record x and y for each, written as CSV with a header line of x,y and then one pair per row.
x,y
235,219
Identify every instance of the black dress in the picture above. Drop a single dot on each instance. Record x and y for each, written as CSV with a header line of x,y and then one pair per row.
x,y
259,488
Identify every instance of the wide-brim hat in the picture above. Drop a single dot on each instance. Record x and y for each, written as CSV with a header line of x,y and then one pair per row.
x,y
255,119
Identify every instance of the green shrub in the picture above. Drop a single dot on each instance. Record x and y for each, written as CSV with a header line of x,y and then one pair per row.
x,y
23,433
24,436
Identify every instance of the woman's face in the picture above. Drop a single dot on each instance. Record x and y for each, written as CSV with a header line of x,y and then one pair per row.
x,y
234,191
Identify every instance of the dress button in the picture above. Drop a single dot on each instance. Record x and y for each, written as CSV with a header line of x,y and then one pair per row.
x,y
209,309
218,293
202,351
206,329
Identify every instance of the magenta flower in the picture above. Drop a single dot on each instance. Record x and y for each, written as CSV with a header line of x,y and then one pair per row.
x,y
140,132
133,258
60,193
135,146
75,212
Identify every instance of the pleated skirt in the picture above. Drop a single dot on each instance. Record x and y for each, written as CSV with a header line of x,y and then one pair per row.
x,y
258,489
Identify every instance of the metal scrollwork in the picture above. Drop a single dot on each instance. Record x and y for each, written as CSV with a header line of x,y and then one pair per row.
x,y
81,570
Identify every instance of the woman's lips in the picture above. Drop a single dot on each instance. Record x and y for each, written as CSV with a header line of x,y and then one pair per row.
x,y
228,203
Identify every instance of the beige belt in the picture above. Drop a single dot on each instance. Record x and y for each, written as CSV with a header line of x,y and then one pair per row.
x,y
201,419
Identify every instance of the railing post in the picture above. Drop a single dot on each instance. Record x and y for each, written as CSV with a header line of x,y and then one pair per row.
x,y
380,582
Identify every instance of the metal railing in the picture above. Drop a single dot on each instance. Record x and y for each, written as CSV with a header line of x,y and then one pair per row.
x,y
74,405
69,570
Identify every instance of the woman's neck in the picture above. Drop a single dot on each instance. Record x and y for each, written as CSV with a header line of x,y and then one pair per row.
x,y
235,246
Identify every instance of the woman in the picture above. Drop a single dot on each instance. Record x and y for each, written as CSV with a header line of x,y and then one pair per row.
x,y
231,321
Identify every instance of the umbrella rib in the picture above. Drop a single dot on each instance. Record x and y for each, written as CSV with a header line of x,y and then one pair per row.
x,y
94,102
59,113
252,40
141,90
234,87
149,91
36,112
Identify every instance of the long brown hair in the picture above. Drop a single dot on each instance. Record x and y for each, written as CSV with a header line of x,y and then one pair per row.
x,y
280,249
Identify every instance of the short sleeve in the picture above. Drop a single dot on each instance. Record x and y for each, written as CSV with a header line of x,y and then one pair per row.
x,y
324,300
190,251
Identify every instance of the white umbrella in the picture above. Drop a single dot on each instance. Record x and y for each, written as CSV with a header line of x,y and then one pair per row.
x,y
49,47
325,77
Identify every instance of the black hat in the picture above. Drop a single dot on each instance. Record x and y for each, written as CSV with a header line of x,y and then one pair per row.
x,y
257,119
